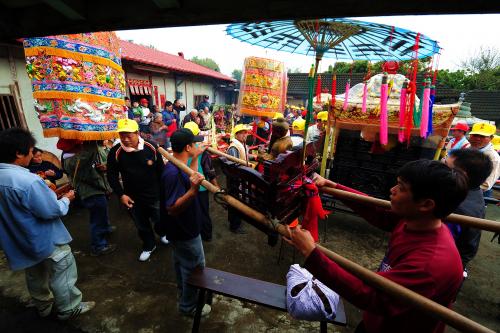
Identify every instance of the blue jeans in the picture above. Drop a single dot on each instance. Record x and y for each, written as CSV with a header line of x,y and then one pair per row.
x,y
167,143
188,255
99,221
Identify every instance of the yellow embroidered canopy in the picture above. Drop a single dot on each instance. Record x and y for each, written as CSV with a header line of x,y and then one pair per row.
x,y
78,84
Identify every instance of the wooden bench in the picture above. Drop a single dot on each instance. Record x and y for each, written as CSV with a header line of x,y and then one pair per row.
x,y
245,289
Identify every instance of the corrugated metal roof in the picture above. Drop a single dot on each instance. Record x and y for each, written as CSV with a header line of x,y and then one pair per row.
x,y
485,104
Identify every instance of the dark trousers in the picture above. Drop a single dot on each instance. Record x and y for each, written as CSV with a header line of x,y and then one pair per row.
x,y
361,328
97,206
206,221
234,219
146,215
468,244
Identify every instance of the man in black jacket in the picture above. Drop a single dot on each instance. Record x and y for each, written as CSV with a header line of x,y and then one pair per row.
x,y
140,165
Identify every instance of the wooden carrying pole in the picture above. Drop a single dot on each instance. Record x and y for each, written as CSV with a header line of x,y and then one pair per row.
x,y
473,222
229,157
391,288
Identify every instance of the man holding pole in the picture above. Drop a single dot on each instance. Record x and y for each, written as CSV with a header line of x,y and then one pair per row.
x,y
238,149
181,215
206,168
421,256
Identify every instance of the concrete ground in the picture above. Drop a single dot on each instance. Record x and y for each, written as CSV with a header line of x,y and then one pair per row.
x,y
141,297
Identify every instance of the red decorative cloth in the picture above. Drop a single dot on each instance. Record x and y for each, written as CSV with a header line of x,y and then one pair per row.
x,y
314,209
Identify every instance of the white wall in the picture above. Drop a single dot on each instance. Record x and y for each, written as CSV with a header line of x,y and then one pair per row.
x,y
189,88
221,97
26,99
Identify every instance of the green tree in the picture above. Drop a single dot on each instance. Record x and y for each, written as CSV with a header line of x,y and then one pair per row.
x,y
483,69
484,59
206,62
236,74
456,80
340,67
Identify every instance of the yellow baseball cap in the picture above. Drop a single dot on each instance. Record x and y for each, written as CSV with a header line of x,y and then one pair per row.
x,y
323,116
191,125
127,125
278,115
299,124
483,129
496,142
239,128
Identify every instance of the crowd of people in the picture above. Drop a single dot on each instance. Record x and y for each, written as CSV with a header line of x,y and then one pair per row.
x,y
167,204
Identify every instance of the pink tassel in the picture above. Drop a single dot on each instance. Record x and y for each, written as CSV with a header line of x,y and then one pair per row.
x,y
383,111
346,97
424,123
365,89
402,111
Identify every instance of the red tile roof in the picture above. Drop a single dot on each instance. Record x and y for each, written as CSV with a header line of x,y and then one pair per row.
x,y
147,55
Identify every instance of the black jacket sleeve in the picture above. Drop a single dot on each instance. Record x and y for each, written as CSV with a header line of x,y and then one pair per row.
x,y
159,164
113,172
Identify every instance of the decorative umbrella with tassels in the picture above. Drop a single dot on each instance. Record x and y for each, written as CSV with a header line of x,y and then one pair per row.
x,y
337,38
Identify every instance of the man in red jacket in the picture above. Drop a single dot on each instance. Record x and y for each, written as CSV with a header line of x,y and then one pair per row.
x,y
422,255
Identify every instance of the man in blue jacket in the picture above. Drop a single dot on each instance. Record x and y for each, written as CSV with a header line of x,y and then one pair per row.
x,y
32,234
204,104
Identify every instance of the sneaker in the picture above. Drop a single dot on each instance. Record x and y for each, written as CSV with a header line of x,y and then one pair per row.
x,y
164,240
146,254
82,308
204,312
110,248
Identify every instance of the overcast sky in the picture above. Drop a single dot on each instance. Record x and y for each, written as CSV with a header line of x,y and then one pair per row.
x,y
459,36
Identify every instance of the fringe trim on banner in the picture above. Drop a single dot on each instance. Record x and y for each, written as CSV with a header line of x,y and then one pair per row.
x,y
84,136
73,96
255,113
35,51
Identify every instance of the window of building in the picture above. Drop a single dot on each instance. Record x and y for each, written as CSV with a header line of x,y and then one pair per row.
x,y
10,113
197,99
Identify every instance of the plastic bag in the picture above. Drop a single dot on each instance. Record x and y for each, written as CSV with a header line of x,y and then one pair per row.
x,y
308,298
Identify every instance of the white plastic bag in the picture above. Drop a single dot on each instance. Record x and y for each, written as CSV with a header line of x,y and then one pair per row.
x,y
306,304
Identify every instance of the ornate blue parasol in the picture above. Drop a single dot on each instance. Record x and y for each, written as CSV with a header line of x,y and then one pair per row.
x,y
337,38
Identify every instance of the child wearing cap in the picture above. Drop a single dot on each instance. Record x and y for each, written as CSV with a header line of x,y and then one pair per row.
x,y
146,116
459,141
480,138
